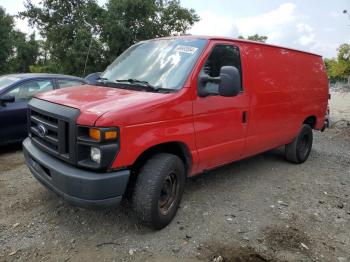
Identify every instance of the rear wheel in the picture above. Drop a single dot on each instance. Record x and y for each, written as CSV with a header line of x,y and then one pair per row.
x,y
299,150
158,190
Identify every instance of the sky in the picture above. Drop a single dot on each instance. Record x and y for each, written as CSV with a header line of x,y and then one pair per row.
x,y
315,26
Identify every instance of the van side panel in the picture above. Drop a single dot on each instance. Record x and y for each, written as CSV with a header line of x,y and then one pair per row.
x,y
286,87
312,98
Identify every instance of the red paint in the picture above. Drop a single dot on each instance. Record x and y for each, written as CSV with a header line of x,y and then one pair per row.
x,y
282,87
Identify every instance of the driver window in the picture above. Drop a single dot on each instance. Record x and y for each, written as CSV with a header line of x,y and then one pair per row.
x,y
30,88
221,55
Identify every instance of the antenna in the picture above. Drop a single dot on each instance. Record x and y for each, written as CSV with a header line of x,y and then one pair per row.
x,y
87,55
88,52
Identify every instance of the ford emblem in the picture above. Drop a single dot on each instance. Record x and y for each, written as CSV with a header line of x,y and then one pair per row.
x,y
42,130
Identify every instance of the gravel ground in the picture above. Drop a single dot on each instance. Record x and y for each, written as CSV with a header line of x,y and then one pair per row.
x,y
259,209
340,108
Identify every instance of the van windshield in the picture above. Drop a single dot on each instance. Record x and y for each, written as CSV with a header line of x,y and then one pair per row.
x,y
162,63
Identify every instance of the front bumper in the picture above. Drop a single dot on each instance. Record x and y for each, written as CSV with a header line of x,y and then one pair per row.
x,y
77,186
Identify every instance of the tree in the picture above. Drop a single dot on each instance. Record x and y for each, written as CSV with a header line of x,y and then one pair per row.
x,y
129,21
339,68
26,52
17,52
256,37
343,68
70,30
331,65
6,29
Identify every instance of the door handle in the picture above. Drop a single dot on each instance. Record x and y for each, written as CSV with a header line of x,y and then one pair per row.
x,y
244,117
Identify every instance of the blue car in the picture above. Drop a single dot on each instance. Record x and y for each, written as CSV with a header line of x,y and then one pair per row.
x,y
15,92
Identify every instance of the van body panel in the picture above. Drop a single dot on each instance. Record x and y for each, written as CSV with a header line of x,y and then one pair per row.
x,y
168,121
281,89
139,138
218,121
95,101
286,87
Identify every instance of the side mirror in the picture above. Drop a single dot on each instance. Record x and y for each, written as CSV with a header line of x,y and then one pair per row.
x,y
230,81
7,99
92,78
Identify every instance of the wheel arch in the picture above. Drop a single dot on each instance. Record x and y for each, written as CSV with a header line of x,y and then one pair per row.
x,y
177,148
311,121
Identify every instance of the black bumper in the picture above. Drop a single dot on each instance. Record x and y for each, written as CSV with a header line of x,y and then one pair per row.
x,y
77,186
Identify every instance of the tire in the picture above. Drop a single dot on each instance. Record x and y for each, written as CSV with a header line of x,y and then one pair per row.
x,y
158,190
299,150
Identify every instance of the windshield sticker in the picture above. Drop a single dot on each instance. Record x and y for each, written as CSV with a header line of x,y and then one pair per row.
x,y
186,49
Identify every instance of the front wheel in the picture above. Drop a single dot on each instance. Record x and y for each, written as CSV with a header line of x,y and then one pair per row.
x,y
299,150
158,190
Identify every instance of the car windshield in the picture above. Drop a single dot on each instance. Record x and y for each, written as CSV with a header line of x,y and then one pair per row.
x,y
162,63
5,81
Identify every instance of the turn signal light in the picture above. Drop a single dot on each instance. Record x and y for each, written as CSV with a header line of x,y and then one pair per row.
x,y
95,134
111,135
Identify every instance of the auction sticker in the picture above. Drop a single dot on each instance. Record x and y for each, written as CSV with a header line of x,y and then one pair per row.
x,y
186,49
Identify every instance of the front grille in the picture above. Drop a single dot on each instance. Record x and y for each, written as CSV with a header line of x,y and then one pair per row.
x,y
52,128
55,138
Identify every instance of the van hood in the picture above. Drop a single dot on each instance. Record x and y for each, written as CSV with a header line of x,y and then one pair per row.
x,y
95,101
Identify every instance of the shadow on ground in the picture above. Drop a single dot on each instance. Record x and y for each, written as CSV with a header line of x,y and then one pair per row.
x,y
11,148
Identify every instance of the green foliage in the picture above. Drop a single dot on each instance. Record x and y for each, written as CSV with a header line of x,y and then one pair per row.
x,y
26,52
339,68
69,27
17,52
74,28
129,21
256,37
344,52
6,45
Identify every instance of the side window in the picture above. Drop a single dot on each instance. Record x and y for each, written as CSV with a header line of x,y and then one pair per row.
x,y
62,83
30,88
221,55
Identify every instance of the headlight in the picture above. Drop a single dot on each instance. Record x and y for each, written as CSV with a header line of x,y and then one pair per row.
x,y
97,147
95,154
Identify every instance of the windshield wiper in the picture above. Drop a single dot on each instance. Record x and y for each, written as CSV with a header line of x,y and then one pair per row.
x,y
103,81
139,82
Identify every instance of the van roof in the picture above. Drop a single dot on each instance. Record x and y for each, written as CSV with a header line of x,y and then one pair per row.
x,y
238,40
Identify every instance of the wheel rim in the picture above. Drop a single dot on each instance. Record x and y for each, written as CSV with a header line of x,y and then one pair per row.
x,y
168,194
304,146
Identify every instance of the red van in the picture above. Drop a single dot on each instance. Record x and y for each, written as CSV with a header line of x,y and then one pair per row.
x,y
171,108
